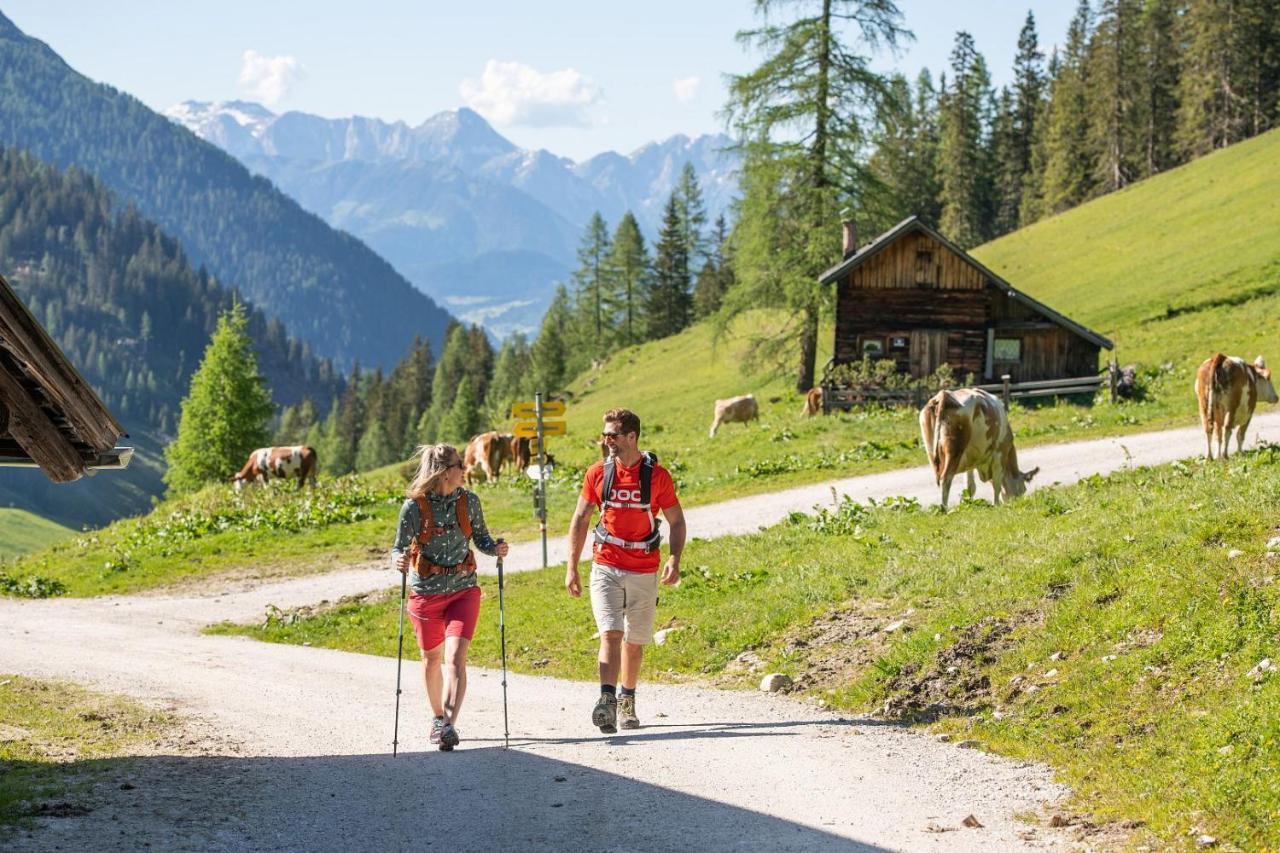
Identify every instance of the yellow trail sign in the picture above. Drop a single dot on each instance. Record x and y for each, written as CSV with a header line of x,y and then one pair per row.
x,y
529,409
529,429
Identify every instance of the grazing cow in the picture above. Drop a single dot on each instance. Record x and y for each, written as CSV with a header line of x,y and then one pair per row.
x,y
265,462
812,402
741,409
1228,388
968,430
485,453
521,453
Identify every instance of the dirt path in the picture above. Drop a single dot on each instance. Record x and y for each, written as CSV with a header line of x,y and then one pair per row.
x,y
304,764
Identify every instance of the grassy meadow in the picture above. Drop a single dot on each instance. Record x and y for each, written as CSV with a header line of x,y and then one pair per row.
x,y
1106,628
54,737
1171,269
22,532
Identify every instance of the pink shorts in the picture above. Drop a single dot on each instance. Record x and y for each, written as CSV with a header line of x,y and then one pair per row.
x,y
438,616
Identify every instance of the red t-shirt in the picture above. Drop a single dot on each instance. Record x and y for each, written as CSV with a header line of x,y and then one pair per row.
x,y
629,524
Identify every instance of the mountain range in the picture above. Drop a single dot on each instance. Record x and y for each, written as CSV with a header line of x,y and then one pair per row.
x,y
327,287
479,224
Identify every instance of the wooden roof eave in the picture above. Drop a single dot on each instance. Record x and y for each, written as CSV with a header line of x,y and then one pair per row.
x,y
35,352
914,223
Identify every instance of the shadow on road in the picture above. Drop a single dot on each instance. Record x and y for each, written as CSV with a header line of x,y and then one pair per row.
x,y
470,800
699,731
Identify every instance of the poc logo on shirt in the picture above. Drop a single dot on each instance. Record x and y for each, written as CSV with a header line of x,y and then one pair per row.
x,y
626,496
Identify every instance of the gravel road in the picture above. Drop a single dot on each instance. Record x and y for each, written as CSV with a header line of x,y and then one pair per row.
x,y
301,759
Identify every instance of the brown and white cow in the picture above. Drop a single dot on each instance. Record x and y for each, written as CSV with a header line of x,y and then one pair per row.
x,y
485,454
735,409
267,462
968,430
521,453
1228,389
812,402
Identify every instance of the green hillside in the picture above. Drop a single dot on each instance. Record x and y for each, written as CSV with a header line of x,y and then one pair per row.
x,y
1140,264
21,532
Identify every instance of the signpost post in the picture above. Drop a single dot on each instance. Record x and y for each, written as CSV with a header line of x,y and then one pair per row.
x,y
539,428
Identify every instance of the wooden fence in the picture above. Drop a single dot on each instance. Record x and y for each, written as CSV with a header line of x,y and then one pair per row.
x,y
836,398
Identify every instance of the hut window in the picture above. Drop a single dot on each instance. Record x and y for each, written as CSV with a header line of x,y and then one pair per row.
x,y
873,347
924,257
1006,349
899,343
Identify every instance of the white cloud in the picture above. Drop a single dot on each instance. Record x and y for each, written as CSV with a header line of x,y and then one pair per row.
x,y
686,88
269,78
512,93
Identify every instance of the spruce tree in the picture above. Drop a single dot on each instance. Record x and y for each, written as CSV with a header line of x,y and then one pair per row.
x,y
1161,58
693,216
963,156
348,426
1070,162
629,274
226,412
1018,166
550,352
463,420
450,370
716,276
667,307
800,119
375,449
512,377
592,314
1115,75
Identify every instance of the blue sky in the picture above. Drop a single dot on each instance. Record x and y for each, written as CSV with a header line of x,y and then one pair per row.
x,y
576,78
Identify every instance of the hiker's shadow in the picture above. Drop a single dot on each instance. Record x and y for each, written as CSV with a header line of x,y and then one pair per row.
x,y
699,731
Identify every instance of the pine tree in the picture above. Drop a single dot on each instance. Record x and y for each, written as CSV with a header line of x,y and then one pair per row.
x,y
801,126
225,414
463,419
963,156
667,307
1069,164
628,278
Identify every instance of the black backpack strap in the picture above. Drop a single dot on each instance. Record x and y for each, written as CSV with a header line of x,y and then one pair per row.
x,y
646,477
606,483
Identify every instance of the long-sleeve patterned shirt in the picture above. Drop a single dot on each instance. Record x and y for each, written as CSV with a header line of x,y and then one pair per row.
x,y
447,547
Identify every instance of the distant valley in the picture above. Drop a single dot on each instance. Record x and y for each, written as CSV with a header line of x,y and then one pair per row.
x,y
483,227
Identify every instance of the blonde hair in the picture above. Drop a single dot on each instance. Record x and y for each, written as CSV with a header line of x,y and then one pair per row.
x,y
437,459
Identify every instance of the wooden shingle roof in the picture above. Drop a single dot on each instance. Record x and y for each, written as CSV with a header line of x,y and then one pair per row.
x,y
913,224
49,415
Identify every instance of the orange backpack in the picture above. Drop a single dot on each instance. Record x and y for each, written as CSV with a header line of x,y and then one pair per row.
x,y
420,563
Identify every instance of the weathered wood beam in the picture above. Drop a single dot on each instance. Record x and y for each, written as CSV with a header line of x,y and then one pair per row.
x,y
29,344
37,434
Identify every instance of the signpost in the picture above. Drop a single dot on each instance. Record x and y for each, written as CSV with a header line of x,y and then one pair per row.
x,y
538,428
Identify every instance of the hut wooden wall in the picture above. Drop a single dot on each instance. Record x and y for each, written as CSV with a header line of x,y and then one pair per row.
x,y
917,260
918,285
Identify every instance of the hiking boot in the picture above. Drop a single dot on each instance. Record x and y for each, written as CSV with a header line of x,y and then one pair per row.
x,y
448,737
604,715
437,726
627,718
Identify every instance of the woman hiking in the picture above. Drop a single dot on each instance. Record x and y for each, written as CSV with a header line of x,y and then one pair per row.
x,y
437,521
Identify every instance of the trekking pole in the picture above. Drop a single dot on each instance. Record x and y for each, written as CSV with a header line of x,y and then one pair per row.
x,y
502,635
395,737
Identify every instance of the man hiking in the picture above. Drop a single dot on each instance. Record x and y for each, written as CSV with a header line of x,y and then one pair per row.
x,y
630,487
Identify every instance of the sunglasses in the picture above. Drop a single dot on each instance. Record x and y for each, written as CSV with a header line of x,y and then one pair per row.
x,y
608,435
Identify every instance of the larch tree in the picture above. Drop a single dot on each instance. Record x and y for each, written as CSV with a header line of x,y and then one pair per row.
x,y
226,413
801,120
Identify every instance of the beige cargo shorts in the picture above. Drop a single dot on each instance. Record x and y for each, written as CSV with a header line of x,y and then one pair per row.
x,y
624,601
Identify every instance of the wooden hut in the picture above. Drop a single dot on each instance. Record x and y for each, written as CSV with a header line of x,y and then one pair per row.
x,y
913,296
49,415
